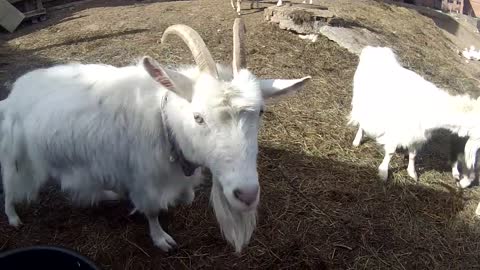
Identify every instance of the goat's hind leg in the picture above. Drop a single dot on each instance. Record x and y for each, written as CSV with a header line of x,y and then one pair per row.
x,y
455,172
358,137
239,9
383,168
17,188
412,153
9,189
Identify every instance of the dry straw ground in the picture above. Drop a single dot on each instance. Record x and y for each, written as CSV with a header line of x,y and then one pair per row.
x,y
322,206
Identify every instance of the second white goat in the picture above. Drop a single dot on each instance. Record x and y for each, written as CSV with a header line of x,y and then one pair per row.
x,y
399,108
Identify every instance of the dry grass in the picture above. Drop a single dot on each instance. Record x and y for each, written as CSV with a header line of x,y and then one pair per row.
x,y
322,205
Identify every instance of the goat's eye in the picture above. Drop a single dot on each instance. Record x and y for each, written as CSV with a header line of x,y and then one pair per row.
x,y
198,118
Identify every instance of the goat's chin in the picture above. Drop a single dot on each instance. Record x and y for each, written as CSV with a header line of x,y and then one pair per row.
x,y
237,222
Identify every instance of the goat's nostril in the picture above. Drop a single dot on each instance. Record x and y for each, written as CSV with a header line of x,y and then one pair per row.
x,y
246,195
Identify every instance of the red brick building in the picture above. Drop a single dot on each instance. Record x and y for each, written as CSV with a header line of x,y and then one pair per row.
x,y
471,7
468,7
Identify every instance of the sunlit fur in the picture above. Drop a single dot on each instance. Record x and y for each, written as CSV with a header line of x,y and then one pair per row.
x,y
399,108
100,131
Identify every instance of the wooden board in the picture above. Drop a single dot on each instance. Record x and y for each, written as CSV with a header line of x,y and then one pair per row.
x,y
10,17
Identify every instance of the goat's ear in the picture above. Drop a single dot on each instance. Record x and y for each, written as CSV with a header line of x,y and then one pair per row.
x,y
172,80
272,89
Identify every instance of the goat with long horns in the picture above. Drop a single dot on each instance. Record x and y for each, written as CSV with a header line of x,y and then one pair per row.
x,y
142,132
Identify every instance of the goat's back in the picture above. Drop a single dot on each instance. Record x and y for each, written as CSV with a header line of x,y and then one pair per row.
x,y
97,118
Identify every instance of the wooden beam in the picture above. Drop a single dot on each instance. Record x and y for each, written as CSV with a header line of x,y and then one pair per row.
x,y
10,17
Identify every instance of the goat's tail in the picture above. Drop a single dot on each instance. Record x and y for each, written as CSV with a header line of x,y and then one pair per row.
x,y
237,227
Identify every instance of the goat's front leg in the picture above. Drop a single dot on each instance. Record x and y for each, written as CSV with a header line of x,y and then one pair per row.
x,y
238,7
279,3
383,168
160,238
477,211
11,185
467,179
412,153
233,4
12,215
358,137
455,171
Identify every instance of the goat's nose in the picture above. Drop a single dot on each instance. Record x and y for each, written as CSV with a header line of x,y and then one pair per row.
x,y
247,195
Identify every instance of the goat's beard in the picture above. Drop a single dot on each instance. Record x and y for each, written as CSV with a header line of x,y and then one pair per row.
x,y
236,226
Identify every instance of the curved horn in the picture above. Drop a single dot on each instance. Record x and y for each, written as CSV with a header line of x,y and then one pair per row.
x,y
197,46
239,55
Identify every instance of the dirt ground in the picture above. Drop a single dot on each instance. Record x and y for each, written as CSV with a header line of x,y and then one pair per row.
x,y
322,206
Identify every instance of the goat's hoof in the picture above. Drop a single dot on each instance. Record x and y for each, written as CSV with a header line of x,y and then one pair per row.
x,y
165,243
15,222
356,143
464,183
413,174
383,174
134,210
456,175
477,211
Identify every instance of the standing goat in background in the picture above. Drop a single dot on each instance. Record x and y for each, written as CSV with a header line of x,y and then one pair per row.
x,y
239,2
399,108
141,131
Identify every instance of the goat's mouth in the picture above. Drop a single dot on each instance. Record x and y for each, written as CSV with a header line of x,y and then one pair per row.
x,y
240,203
240,200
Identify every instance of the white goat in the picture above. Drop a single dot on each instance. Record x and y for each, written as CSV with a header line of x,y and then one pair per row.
x,y
399,108
238,9
141,131
239,2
